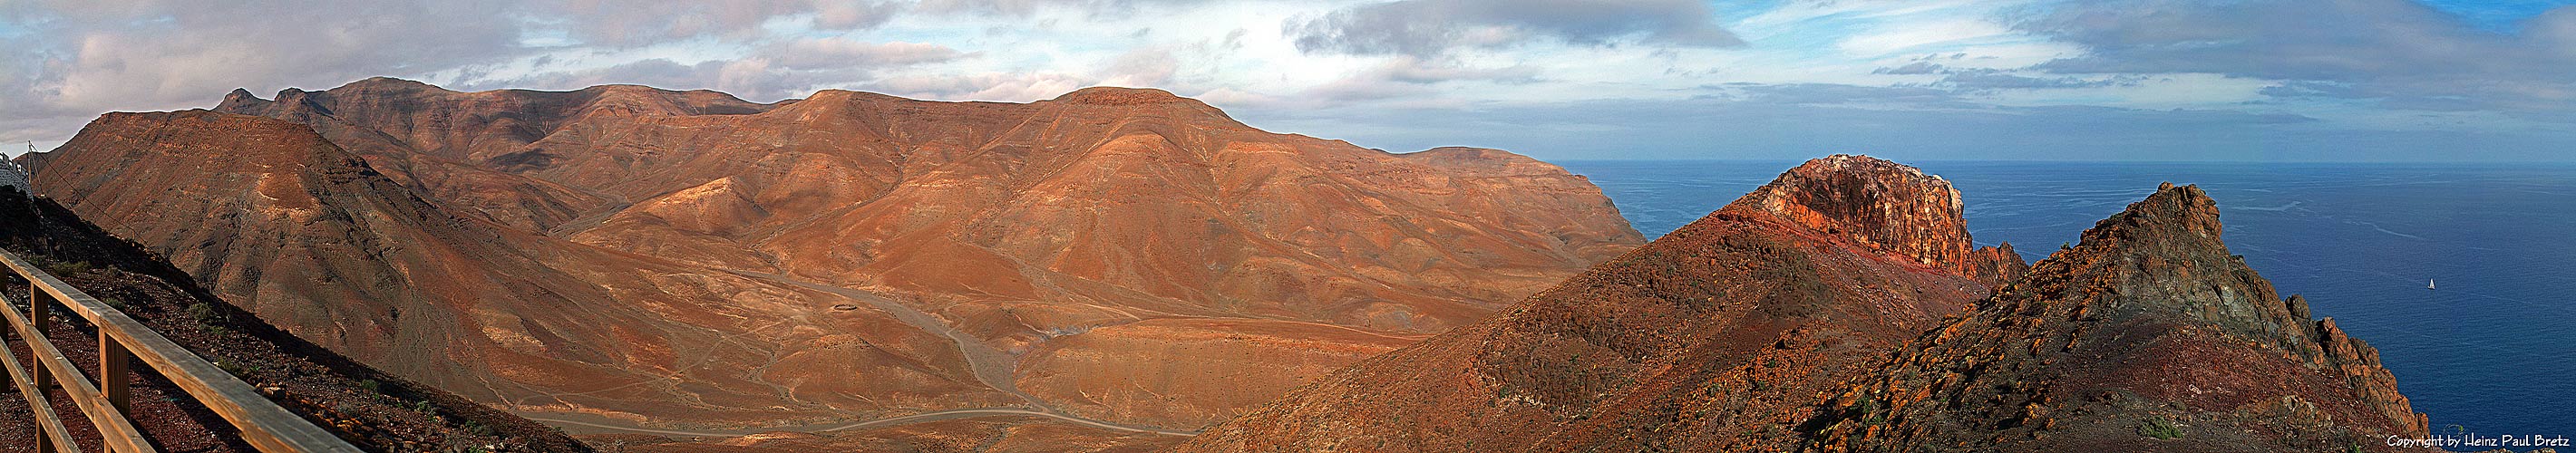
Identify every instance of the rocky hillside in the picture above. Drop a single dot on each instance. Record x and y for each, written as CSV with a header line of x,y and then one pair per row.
x,y
2147,335
1823,312
375,410
628,256
1716,337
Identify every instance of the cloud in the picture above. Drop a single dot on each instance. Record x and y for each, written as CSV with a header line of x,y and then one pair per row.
x,y
644,22
91,56
1407,76
2404,53
1426,28
995,86
777,71
836,53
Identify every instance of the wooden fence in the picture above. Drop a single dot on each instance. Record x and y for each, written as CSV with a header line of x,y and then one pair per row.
x,y
121,342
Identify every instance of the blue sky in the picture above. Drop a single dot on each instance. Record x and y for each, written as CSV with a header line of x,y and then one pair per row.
x,y
2160,80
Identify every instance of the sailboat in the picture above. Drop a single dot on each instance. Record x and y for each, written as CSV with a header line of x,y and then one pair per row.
x,y
2428,284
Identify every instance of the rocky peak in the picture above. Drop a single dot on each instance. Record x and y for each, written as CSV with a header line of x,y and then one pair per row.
x,y
239,96
1891,207
2150,321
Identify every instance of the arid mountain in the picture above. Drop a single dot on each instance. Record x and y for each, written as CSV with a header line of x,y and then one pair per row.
x,y
690,259
2148,335
284,224
1718,336
369,408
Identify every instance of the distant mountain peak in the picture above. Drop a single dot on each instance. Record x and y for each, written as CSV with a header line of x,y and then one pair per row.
x,y
1120,96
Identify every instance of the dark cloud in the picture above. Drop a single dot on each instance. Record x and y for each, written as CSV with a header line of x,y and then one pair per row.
x,y
1432,27
2402,52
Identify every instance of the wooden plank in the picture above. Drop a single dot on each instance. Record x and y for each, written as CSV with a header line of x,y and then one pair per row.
x,y
263,423
118,433
54,438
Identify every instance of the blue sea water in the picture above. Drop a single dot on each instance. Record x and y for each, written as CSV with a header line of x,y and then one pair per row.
x,y
2493,351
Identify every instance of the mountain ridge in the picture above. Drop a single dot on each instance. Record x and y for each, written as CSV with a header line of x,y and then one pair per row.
x,y
1138,221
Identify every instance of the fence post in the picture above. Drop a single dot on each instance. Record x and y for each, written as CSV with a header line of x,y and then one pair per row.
x,y
36,310
112,377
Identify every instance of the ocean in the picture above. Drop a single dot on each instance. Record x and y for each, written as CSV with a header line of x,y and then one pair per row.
x,y
2493,351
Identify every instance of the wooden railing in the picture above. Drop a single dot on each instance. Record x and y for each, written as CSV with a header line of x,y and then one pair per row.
x,y
106,403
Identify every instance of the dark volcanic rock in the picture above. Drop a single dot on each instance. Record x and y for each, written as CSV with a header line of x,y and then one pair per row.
x,y
2148,335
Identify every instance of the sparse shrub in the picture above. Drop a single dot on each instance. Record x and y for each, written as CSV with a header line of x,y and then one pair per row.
x,y
371,386
205,314
63,268
2160,428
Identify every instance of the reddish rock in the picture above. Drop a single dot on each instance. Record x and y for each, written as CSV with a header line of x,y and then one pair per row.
x,y
1717,337
2147,335
1888,206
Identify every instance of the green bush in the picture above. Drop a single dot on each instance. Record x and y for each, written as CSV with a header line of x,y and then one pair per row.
x,y
205,313
371,386
2160,428
65,268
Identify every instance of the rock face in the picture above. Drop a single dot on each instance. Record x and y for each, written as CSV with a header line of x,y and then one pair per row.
x,y
678,256
1718,336
2148,335
1888,206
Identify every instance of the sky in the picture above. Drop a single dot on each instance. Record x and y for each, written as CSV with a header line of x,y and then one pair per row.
x,y
2115,80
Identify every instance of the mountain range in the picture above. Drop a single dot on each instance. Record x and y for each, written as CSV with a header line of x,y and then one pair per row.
x,y
1116,269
